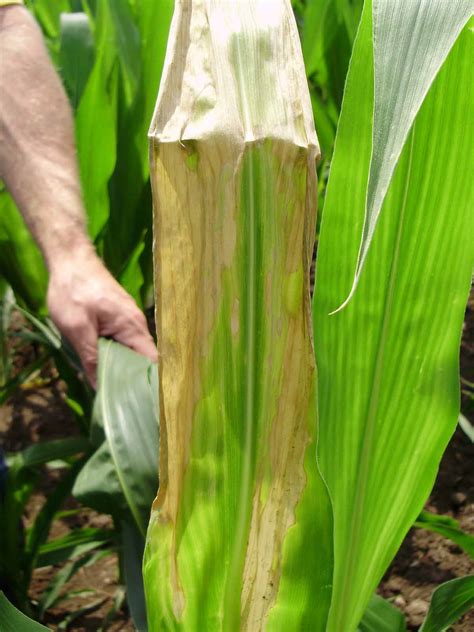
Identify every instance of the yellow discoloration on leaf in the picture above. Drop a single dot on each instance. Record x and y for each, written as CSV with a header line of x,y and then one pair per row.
x,y
294,292
284,478
188,288
235,318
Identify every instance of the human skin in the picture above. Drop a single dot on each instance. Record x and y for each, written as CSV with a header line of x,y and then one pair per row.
x,y
39,167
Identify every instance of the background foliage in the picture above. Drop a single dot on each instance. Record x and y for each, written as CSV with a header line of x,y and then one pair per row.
x,y
109,54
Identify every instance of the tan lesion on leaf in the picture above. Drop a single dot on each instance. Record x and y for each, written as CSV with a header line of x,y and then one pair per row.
x,y
280,485
194,242
272,519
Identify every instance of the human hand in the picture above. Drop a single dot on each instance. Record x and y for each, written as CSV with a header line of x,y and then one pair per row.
x,y
86,302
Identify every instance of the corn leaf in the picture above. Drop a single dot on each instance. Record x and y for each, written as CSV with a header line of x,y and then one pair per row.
x,y
382,616
12,620
6,309
240,534
449,602
128,47
447,527
327,37
48,15
154,21
410,43
96,121
131,206
97,485
41,453
319,28
39,531
20,260
121,477
16,492
73,545
133,544
388,363
132,278
52,593
128,217
124,467
76,54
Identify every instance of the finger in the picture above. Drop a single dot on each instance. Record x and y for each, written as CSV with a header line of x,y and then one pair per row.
x,y
138,341
146,346
84,339
132,331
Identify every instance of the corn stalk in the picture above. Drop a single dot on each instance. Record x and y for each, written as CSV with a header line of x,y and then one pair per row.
x,y
241,531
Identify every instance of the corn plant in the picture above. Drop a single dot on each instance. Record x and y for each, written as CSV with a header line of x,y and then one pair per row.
x,y
242,533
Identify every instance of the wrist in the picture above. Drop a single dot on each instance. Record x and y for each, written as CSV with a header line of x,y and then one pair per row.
x,y
74,251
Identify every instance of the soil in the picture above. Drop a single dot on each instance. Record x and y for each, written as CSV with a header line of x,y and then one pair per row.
x,y
41,414
425,559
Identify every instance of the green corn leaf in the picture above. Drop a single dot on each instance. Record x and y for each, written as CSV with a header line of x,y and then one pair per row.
x,y
96,121
154,21
48,15
21,263
326,125
41,453
39,531
128,218
449,602
131,207
69,619
76,54
12,620
128,47
382,616
114,610
388,364
123,472
410,43
349,12
241,533
52,593
447,527
131,278
319,30
73,545
22,376
122,475
18,488
133,545
327,38
7,301
97,485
